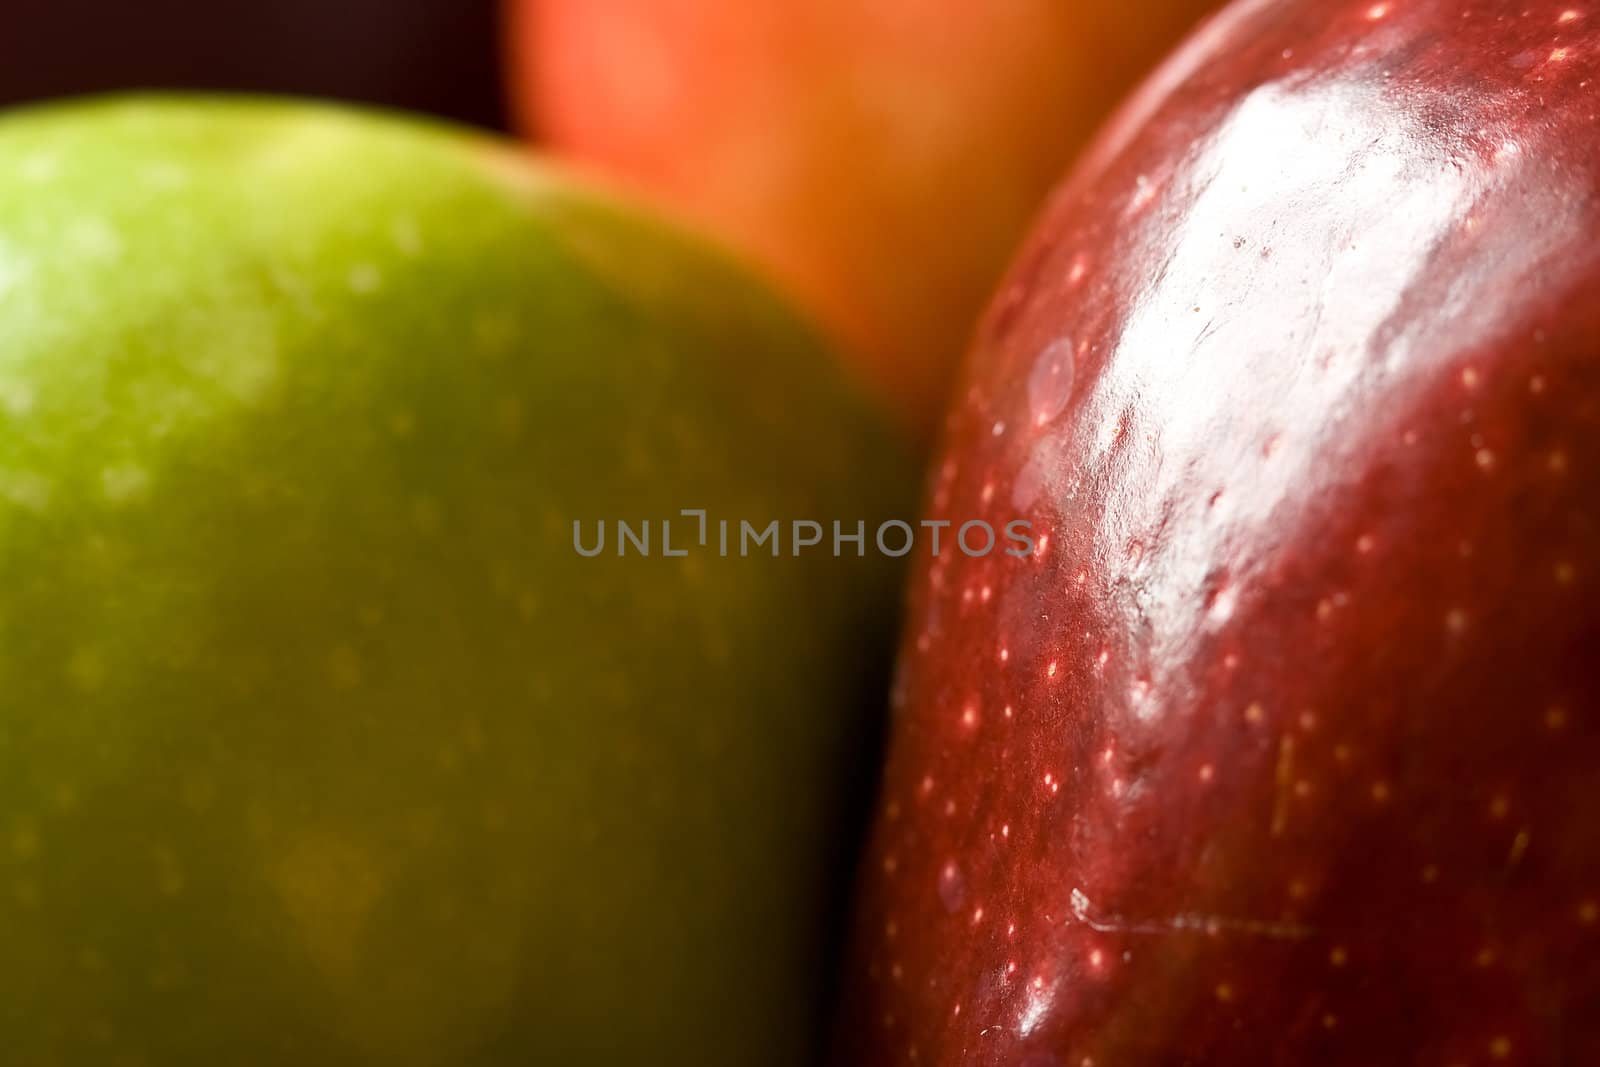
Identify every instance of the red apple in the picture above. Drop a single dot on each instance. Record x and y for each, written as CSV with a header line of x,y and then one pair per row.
x,y
880,157
1284,747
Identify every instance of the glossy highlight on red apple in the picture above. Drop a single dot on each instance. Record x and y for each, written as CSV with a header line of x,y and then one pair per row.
x,y
1284,748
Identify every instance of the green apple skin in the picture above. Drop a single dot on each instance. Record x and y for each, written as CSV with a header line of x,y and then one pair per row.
x,y
319,743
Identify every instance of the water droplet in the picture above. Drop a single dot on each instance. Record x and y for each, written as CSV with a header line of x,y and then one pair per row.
x,y
1050,382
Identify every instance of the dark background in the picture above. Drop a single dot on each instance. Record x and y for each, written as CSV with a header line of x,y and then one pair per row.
x,y
436,56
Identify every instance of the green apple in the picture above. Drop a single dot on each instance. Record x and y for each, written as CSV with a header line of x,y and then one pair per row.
x,y
319,742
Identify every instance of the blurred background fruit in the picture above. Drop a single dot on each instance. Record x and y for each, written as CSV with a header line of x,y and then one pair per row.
x,y
319,742
434,56
880,157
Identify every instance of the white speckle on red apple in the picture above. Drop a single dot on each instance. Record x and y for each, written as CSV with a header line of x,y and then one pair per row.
x,y
952,886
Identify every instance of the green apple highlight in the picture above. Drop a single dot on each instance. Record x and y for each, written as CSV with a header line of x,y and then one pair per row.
x,y
319,744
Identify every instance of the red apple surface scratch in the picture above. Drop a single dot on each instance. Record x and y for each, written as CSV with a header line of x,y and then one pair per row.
x,y
1284,746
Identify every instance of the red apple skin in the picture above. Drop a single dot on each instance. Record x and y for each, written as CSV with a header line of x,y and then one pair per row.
x,y
1284,748
880,158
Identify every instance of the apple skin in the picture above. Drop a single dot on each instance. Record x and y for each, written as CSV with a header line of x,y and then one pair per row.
x,y
880,158
1284,747
320,744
